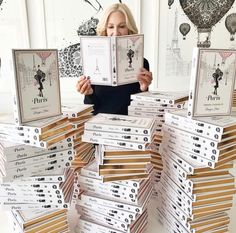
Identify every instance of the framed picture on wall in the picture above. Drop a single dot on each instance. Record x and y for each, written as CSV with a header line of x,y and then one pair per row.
x,y
37,87
179,32
212,82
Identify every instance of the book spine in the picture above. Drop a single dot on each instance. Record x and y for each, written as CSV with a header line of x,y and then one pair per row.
x,y
117,128
170,164
108,221
113,62
185,202
197,127
35,169
30,200
108,186
20,151
193,80
176,211
185,185
180,151
197,144
171,223
113,204
118,136
16,107
34,206
188,168
116,143
85,226
67,154
153,100
156,105
159,117
120,215
112,193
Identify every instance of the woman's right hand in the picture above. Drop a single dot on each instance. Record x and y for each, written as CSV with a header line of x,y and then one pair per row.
x,y
83,86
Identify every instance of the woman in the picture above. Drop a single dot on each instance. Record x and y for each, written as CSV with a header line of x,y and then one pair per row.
x,y
116,21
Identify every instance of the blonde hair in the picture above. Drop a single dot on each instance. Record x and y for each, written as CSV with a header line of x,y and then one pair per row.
x,y
131,25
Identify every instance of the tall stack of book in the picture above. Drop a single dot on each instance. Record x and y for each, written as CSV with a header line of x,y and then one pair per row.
x,y
123,143
155,105
27,170
196,188
118,206
198,149
40,150
78,115
116,185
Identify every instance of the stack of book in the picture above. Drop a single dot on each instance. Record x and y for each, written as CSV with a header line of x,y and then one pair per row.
x,y
120,131
116,163
234,100
39,221
196,188
123,141
119,206
78,115
155,105
41,133
118,180
24,167
20,161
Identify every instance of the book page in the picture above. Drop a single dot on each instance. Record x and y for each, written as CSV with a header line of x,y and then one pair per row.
x,y
96,56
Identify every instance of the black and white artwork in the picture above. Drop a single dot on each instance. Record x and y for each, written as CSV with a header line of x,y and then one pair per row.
x,y
185,24
63,30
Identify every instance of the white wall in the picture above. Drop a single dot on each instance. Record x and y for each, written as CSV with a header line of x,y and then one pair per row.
x,y
149,27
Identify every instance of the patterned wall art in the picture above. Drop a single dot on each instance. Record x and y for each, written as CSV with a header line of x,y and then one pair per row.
x,y
13,34
67,21
185,24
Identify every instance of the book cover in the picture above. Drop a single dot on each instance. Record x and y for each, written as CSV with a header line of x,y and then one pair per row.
x,y
37,87
212,82
112,60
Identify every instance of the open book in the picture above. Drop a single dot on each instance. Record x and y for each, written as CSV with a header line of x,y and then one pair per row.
x,y
112,61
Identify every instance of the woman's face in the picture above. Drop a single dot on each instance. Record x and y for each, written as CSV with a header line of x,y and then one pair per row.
x,y
116,24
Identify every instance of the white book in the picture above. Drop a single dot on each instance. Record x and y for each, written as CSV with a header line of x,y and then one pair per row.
x,y
76,110
37,87
161,97
120,124
149,104
212,82
112,60
116,143
216,128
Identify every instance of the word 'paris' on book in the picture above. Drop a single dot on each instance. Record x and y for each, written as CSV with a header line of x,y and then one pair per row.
x,y
112,60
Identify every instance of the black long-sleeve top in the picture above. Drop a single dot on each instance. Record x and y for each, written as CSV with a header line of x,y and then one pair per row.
x,y
114,100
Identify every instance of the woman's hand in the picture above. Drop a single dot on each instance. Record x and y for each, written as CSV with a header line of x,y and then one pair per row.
x,y
83,86
144,78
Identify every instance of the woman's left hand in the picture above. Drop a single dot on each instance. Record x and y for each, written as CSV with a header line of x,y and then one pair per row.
x,y
144,78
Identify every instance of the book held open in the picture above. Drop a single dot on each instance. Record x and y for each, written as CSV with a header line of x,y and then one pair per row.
x,y
112,61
